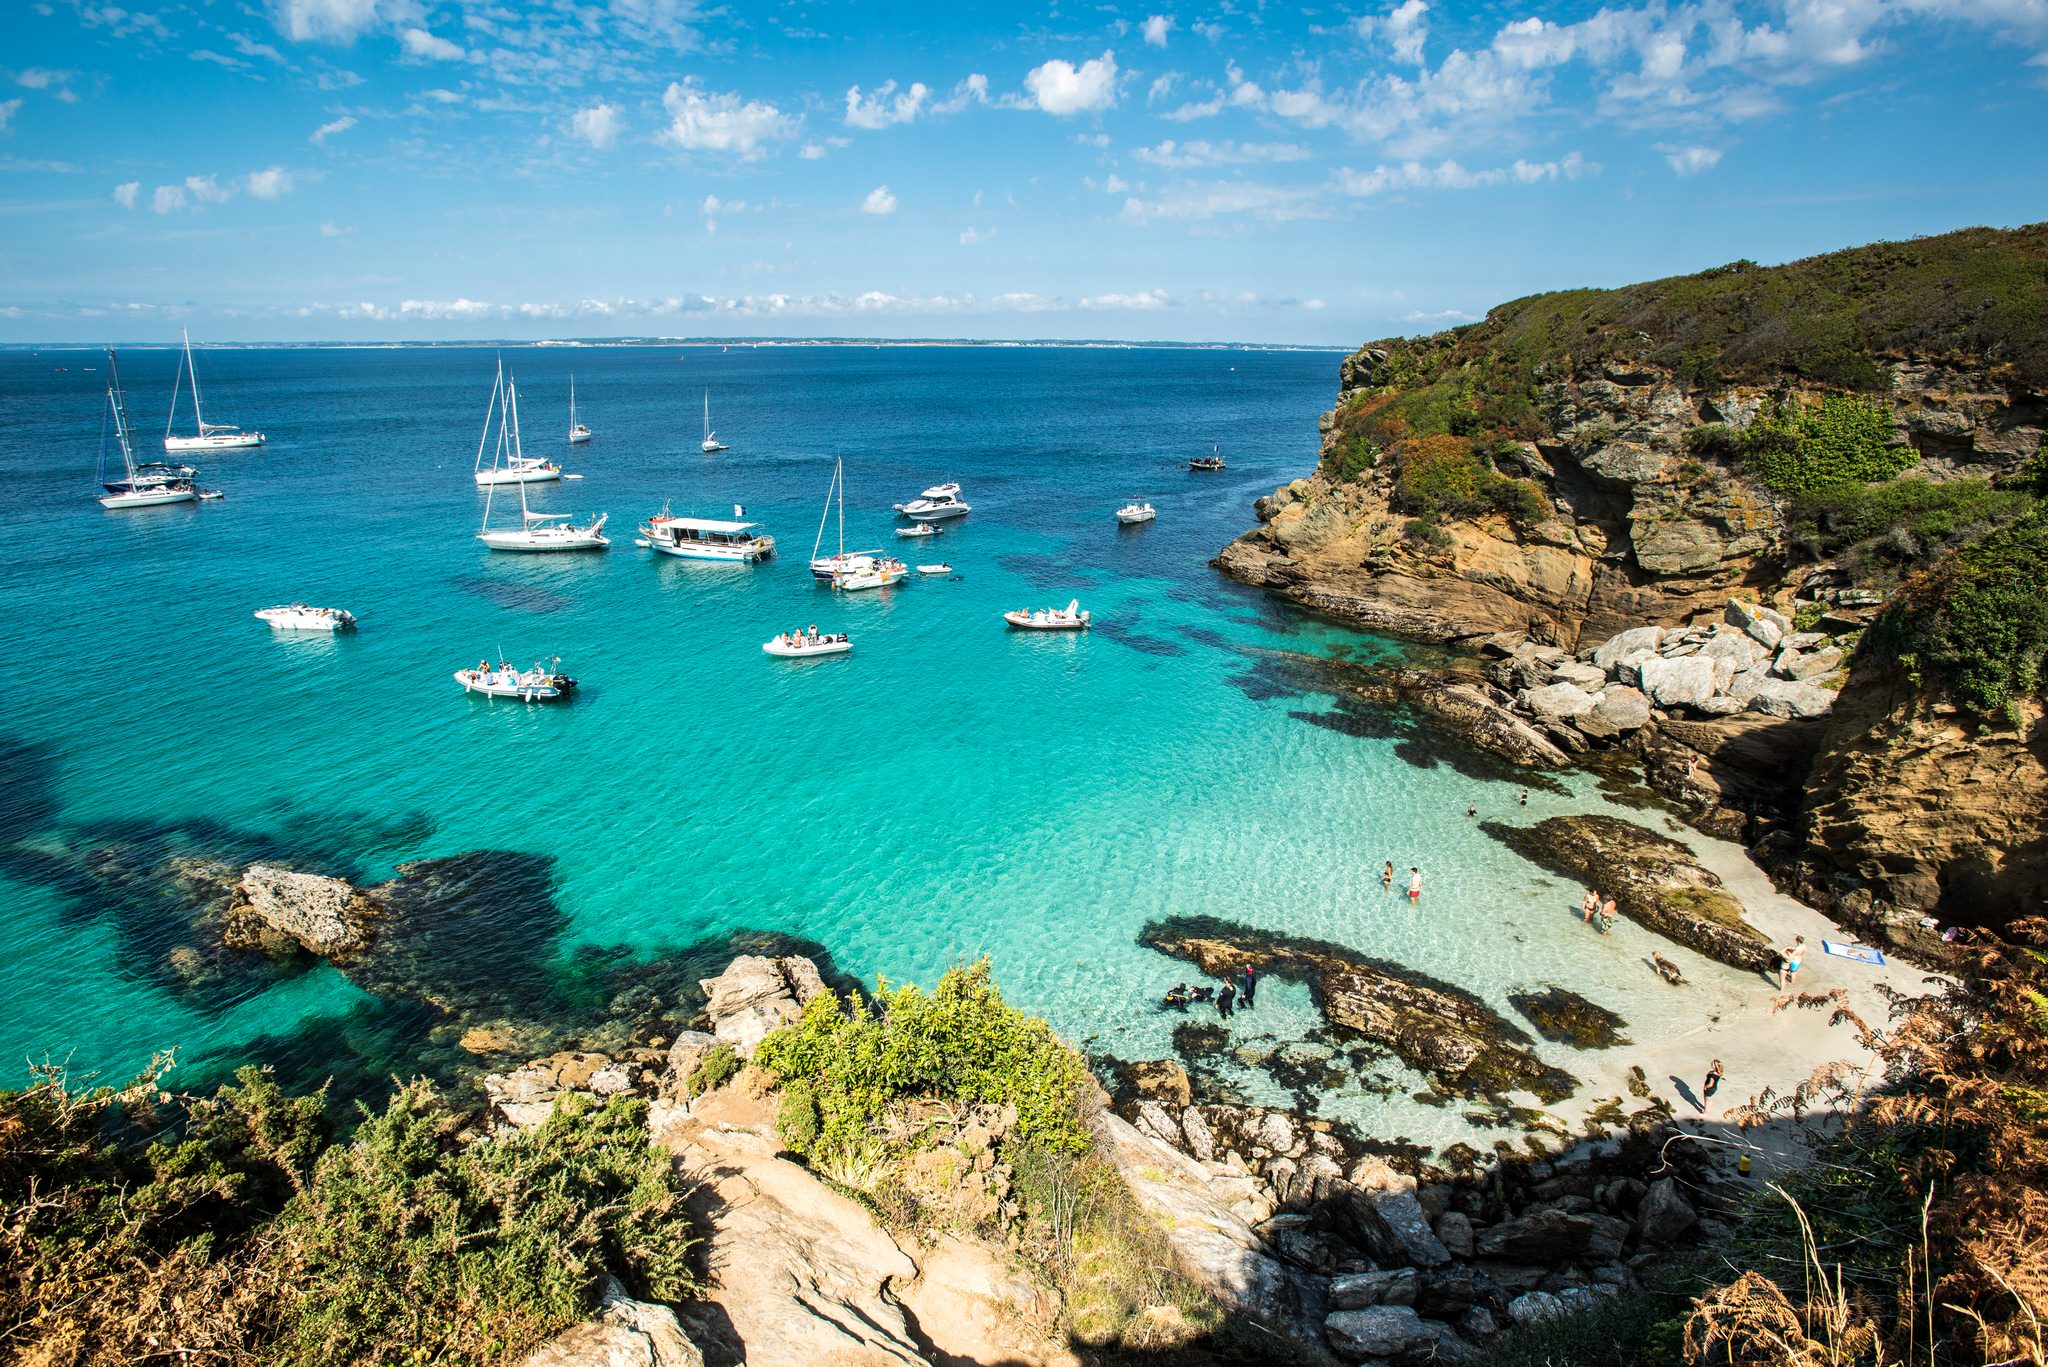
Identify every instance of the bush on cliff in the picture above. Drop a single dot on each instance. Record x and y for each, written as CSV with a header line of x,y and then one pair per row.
x,y
1879,531
1976,625
1445,476
1808,450
138,1224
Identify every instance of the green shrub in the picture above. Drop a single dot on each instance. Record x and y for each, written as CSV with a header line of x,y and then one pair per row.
x,y
1977,623
1354,457
1444,476
713,1071
1807,450
960,1043
796,1119
1903,524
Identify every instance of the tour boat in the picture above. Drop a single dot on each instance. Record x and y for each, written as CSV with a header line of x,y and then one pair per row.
x,y
919,529
1212,461
1134,512
539,684
140,486
536,531
1069,618
304,617
934,569
711,441
798,645
695,538
578,432
211,436
941,500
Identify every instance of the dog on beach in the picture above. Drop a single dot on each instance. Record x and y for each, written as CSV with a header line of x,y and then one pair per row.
x,y
1666,970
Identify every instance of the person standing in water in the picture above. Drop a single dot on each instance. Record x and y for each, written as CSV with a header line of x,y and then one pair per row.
x,y
1249,993
1589,905
1414,884
1224,998
1387,875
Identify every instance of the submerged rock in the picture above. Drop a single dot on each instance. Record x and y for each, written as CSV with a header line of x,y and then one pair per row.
x,y
325,916
1432,1026
1567,1018
1653,879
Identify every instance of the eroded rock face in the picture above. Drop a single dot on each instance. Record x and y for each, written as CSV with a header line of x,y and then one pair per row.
x,y
757,994
624,1333
325,916
1653,879
1432,1026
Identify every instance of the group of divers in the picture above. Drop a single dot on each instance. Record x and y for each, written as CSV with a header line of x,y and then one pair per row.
x,y
1239,992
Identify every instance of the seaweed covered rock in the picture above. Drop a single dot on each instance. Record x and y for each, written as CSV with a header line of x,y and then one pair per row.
x,y
1432,1026
1653,879
1565,1017
1461,707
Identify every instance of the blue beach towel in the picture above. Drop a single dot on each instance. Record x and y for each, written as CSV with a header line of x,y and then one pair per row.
x,y
1860,953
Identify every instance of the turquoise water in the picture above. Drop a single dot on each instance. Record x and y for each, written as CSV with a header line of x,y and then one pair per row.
x,y
949,790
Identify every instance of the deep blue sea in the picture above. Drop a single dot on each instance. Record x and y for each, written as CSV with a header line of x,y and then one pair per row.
x,y
950,790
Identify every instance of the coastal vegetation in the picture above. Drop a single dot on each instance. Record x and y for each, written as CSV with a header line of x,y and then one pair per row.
x,y
241,1226
1807,450
1976,625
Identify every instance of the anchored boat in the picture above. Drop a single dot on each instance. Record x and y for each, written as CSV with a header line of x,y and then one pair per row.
x,y
1135,512
209,436
939,501
538,684
1069,618
141,486
304,617
807,645
536,531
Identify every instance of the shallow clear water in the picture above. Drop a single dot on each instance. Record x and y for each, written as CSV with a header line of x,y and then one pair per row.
x,y
949,790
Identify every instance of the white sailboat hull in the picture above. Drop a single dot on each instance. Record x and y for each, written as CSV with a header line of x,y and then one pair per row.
x,y
154,496
214,441
526,474
546,539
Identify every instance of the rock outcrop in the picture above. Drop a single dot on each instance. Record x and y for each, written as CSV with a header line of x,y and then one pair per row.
x,y
623,1333
1432,1026
757,994
275,908
1653,879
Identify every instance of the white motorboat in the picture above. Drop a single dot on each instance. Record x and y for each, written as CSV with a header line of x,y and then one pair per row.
x,y
536,531
140,486
920,529
1069,618
711,441
939,501
209,436
305,617
808,645
876,574
529,470
1212,461
934,569
542,683
1135,512
696,538
578,432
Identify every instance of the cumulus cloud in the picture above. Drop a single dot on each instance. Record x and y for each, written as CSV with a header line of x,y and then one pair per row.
x,y
336,20
1176,156
970,237
168,199
1404,29
1156,27
597,125
1144,302
269,183
429,47
207,189
879,201
1059,87
8,109
885,106
973,90
333,129
1690,161
125,193
722,122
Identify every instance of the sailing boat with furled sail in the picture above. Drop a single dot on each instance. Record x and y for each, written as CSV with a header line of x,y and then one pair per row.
x,y
536,531
211,436
142,486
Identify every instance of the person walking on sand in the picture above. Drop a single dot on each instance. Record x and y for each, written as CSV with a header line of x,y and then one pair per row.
x,y
1713,1082
1224,998
1387,875
1414,884
1788,962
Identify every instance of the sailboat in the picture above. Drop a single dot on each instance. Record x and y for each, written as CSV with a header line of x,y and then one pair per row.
x,y
144,486
578,432
857,569
711,441
212,436
536,531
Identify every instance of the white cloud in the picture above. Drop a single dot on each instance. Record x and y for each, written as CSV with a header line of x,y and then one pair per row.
x,y
269,183
1145,302
330,230
973,90
168,199
338,20
1571,166
597,125
426,46
125,193
885,106
1413,175
1218,199
1156,27
40,78
1176,156
1404,29
334,129
879,201
1690,161
722,122
207,189
1059,87
812,151
970,237
8,109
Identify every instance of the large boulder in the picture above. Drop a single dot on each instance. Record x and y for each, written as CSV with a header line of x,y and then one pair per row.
x,y
1533,1308
1592,678
1163,1080
1557,702
1739,649
1619,711
1394,1332
757,994
1615,648
1665,1215
1357,1290
525,1096
624,1333
274,907
1784,698
1392,1225
1791,664
1682,682
1555,1236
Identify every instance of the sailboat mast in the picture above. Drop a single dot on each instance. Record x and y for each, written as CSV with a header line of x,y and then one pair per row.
x,y
172,420
572,405
512,409
707,415
197,415
120,413
490,411
824,513
840,471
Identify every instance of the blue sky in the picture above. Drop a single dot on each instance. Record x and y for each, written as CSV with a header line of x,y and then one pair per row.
x,y
419,169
